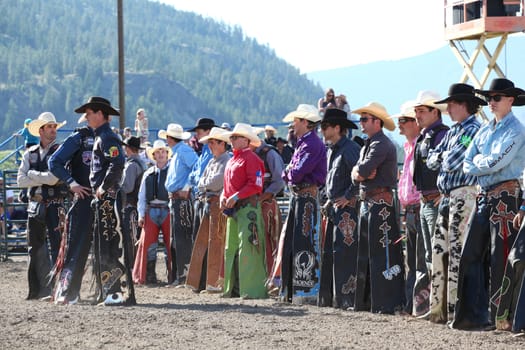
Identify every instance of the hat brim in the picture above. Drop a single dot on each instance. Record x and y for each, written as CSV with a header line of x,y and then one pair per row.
x,y
346,123
462,97
163,134
203,126
254,139
302,115
35,126
151,150
204,140
517,93
378,113
98,106
131,146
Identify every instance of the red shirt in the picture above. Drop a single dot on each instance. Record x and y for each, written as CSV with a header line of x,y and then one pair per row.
x,y
243,174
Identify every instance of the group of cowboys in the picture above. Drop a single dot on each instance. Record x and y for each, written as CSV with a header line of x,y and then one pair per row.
x,y
340,245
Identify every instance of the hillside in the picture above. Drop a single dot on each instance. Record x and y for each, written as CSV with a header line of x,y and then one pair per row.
x,y
179,66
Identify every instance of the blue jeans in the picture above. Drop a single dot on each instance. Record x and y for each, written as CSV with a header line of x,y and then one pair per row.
x,y
428,214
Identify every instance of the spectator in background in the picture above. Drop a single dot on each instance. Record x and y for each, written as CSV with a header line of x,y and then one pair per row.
x,y
29,139
126,133
328,101
342,103
269,133
226,126
141,125
291,137
284,150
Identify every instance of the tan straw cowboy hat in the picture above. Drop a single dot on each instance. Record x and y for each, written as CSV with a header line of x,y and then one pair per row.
x,y
217,134
43,119
245,130
379,111
304,111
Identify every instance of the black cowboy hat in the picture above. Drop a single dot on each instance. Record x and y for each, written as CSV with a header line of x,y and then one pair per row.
x,y
133,142
462,92
98,103
204,123
336,116
504,87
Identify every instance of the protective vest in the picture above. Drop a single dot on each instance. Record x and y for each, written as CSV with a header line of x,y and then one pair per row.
x,y
58,191
154,183
424,178
262,153
80,164
133,197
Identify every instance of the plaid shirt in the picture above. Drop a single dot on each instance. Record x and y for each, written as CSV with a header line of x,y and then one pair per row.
x,y
448,156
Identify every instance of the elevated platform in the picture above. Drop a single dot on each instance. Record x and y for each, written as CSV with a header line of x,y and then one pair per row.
x,y
489,27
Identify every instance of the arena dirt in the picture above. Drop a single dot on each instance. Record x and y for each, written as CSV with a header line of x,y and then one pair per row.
x,y
170,318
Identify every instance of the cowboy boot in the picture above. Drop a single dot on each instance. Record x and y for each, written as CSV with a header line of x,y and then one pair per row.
x,y
151,277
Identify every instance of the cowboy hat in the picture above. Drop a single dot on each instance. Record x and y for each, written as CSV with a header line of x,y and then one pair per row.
x,y
378,111
43,119
505,87
406,110
337,116
462,92
175,131
303,111
268,127
244,130
216,133
226,126
258,129
203,123
428,98
158,144
97,103
133,142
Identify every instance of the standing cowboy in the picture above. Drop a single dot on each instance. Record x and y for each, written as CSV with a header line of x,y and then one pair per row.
x,y
495,156
458,198
339,254
181,163
153,215
71,163
380,264
112,249
244,267
300,236
417,294
428,116
207,256
129,192
46,195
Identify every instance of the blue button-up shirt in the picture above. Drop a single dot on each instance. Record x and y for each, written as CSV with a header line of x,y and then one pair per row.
x,y
496,153
181,163
198,168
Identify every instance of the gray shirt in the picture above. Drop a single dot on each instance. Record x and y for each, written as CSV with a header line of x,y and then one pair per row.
x,y
212,179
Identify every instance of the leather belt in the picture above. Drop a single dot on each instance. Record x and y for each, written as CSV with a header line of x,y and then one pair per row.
x,y
211,199
305,188
179,195
373,192
510,186
158,205
253,200
425,198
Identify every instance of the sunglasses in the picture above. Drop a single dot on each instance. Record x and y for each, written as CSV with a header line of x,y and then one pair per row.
x,y
496,98
235,137
365,119
404,120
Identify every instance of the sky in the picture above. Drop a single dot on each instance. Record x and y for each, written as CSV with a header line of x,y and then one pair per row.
x,y
322,35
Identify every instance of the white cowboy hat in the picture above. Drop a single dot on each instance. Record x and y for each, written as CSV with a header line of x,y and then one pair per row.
x,y
245,130
269,127
217,134
378,111
175,131
428,98
406,110
304,111
43,119
158,144
258,129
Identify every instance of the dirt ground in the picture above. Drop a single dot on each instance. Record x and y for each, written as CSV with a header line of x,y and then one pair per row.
x,y
167,317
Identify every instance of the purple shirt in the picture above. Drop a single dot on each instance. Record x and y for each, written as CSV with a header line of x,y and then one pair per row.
x,y
308,164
